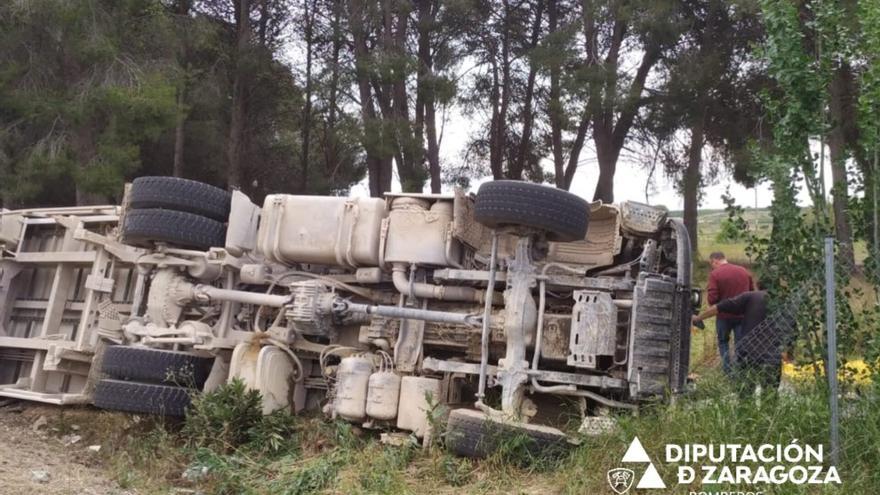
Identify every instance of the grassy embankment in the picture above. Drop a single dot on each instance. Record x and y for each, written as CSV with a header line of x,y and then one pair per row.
x,y
303,455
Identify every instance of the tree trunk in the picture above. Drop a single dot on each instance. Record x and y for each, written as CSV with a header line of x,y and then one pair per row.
x,y
500,97
378,164
385,141
837,146
305,134
692,179
495,145
330,141
262,29
574,154
433,144
610,136
183,7
603,100
239,93
83,145
607,156
605,183
613,114
518,165
426,81
179,132
408,139
554,104
501,130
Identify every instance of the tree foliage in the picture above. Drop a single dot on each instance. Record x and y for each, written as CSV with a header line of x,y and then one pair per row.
x,y
709,102
81,89
311,96
96,92
820,57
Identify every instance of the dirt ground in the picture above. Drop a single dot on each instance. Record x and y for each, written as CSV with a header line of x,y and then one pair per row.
x,y
45,451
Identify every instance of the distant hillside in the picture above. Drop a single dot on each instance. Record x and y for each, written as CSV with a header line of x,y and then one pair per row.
x,y
709,220
722,211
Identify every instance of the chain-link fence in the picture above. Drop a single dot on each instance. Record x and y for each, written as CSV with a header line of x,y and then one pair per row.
x,y
812,357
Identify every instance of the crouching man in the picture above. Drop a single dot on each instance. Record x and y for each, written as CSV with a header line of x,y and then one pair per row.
x,y
758,350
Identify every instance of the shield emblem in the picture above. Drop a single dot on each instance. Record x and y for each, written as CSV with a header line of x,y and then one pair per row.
x,y
621,480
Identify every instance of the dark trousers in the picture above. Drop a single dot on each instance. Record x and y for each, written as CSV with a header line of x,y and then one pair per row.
x,y
725,328
752,374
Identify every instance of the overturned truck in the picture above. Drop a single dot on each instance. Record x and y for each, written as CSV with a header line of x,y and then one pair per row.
x,y
496,305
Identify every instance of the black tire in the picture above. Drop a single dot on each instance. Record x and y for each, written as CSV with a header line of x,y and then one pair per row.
x,y
144,227
681,343
564,216
146,398
471,433
173,193
156,366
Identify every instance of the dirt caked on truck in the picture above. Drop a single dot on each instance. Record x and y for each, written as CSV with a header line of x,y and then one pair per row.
x,y
499,305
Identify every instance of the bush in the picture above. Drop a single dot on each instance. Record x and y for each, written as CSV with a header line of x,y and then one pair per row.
x,y
732,231
231,417
734,228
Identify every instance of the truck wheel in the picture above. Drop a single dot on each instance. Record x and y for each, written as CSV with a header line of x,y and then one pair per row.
x,y
471,433
147,398
143,227
174,193
681,341
156,366
564,216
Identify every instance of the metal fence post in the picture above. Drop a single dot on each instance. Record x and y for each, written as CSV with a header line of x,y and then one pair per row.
x,y
831,361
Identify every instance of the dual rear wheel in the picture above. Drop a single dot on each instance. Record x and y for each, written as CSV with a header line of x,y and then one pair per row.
x,y
150,381
176,211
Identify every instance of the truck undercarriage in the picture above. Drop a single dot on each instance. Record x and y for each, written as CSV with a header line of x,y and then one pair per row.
x,y
372,310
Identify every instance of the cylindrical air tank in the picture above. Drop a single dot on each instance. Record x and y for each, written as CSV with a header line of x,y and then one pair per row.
x,y
383,395
352,382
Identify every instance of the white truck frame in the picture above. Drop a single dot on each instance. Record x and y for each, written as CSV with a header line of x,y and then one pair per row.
x,y
371,309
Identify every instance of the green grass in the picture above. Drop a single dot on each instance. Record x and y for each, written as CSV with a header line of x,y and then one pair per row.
x,y
337,458
715,415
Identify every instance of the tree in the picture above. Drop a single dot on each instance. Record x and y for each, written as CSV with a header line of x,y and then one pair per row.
x,y
292,132
309,15
868,45
378,157
503,85
333,128
97,92
581,50
558,58
440,25
813,51
182,20
240,86
402,53
615,95
710,98
834,44
85,85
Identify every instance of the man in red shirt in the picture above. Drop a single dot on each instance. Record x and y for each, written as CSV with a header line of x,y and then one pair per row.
x,y
726,281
